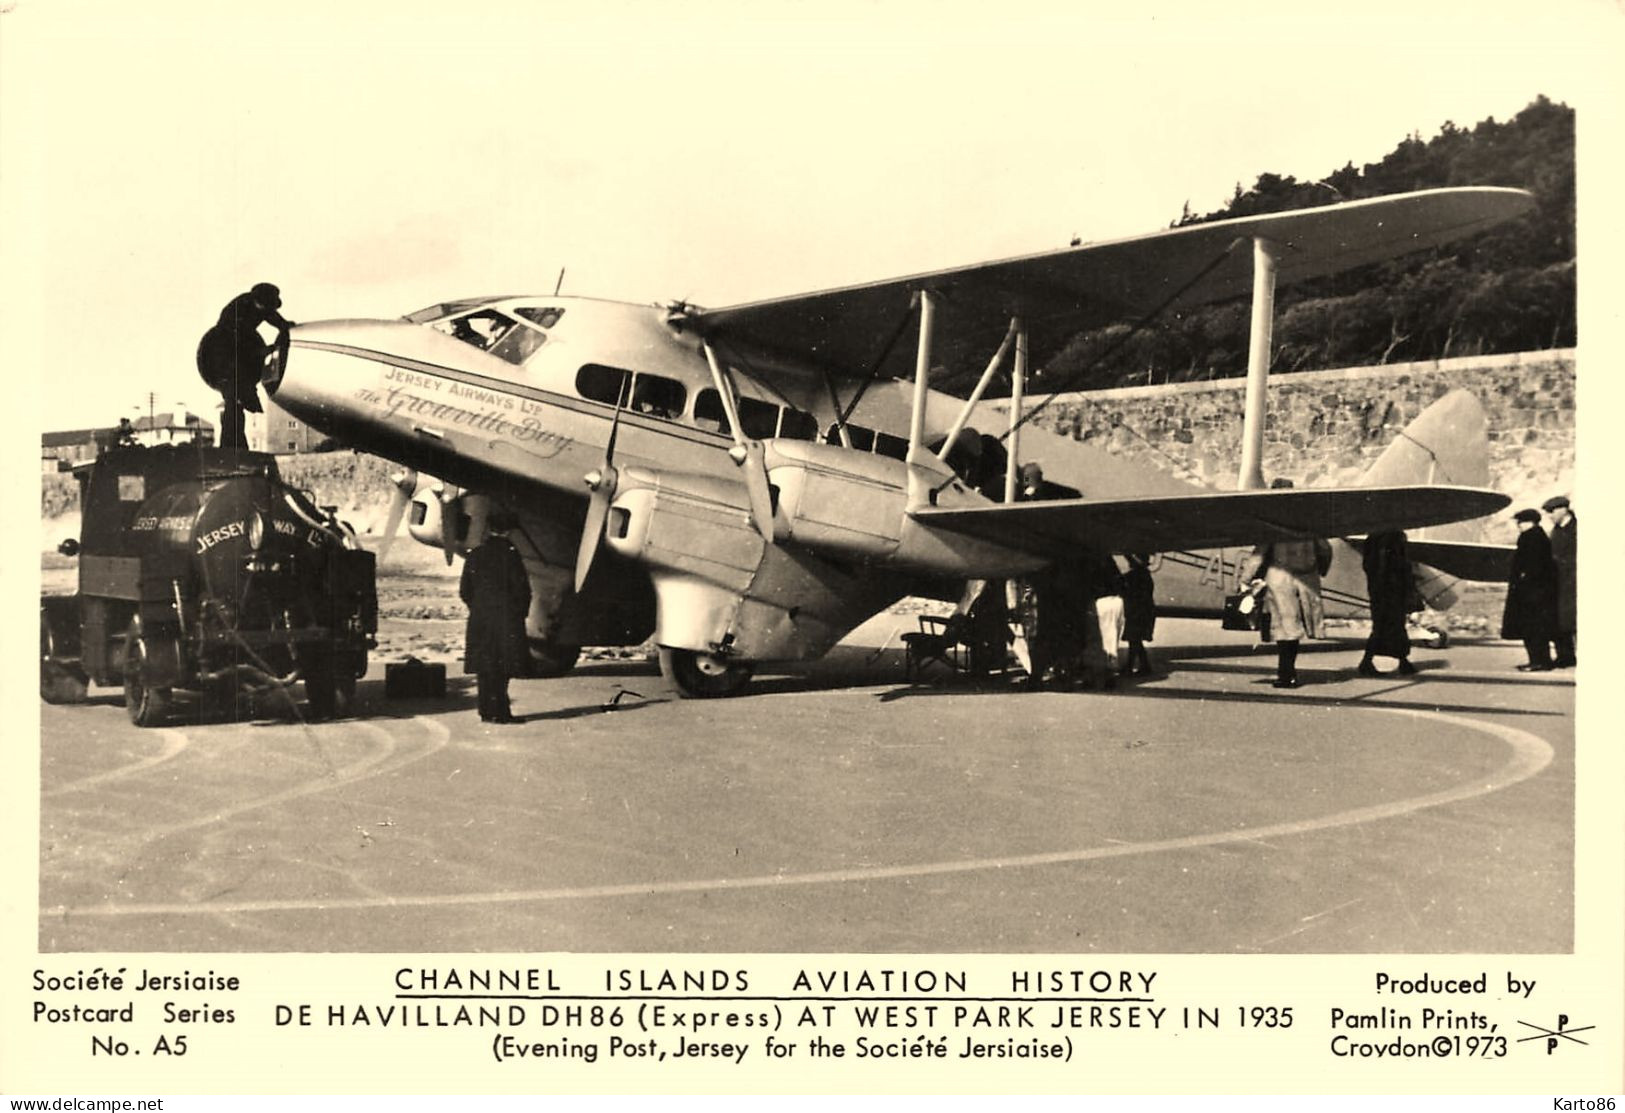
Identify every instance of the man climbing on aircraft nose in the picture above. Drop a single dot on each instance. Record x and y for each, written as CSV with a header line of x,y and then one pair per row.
x,y
231,356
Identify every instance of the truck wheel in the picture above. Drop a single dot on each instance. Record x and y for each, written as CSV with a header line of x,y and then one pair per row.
x,y
58,683
148,705
702,676
548,660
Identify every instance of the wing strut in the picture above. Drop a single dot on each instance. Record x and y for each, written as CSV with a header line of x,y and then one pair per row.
x,y
1018,385
1251,475
922,373
835,406
748,454
976,395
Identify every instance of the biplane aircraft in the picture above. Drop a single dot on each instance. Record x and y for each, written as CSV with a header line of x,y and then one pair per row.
x,y
748,484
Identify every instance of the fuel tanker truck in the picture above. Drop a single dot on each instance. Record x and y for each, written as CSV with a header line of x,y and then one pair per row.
x,y
203,576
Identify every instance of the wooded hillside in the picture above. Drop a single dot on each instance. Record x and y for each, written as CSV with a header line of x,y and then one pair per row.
x,y
1510,289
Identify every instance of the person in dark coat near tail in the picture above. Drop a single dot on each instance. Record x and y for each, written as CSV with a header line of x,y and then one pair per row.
x,y
1565,538
497,591
231,356
1388,587
1531,607
1139,613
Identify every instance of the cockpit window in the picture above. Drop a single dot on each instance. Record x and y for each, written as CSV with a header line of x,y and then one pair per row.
x,y
449,309
537,315
493,332
519,345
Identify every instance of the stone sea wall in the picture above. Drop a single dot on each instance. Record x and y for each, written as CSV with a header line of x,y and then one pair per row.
x,y
1326,427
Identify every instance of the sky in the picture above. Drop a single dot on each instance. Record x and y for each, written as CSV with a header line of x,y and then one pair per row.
x,y
372,158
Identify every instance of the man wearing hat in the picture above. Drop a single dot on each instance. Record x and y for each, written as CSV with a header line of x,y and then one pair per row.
x,y
496,589
231,356
1565,548
1531,607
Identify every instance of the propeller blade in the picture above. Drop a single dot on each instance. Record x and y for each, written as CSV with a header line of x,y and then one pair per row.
x,y
615,422
449,513
479,518
406,484
603,485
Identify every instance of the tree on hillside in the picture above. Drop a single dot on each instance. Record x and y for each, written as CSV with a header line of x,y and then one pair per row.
x,y
1509,289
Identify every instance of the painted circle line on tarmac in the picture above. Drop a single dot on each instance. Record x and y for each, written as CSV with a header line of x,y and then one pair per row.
x,y
174,742
1530,755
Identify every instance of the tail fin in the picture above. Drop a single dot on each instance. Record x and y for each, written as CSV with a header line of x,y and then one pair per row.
x,y
1447,443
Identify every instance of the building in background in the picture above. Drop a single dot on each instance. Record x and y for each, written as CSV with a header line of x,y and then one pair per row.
x,y
179,426
62,450
276,430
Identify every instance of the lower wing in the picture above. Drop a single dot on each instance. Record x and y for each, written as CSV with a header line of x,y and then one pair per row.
x,y
1211,520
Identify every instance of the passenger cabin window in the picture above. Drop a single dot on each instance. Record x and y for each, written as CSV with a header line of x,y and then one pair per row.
x,y
888,445
867,440
653,395
657,396
863,440
598,383
708,411
759,419
798,425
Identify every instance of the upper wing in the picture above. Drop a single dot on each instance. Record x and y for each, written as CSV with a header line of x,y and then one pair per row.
x,y
1060,292
1211,520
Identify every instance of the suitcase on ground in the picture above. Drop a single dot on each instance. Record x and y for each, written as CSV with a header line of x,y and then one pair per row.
x,y
414,679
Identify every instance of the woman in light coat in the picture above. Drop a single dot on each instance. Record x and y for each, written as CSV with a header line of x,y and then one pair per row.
x,y
1289,572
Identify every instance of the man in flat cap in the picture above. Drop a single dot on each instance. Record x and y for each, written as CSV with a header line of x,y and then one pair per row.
x,y
231,356
1531,608
496,589
1565,549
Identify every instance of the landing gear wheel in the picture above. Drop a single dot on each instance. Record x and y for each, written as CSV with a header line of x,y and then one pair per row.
x,y
147,704
701,675
548,659
58,683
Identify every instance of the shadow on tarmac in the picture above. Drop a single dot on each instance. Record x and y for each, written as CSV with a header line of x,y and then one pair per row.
x,y
1156,687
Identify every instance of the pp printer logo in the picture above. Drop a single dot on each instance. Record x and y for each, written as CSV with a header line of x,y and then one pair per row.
x,y
1552,1036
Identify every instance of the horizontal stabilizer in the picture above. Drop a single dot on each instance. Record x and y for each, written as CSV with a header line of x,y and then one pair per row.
x,y
1210,520
1466,560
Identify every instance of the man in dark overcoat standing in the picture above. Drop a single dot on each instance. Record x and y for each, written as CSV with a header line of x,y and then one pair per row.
x,y
1565,539
1388,588
1531,609
497,591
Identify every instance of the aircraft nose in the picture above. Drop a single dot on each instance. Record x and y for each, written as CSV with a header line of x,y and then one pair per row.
x,y
276,364
317,374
